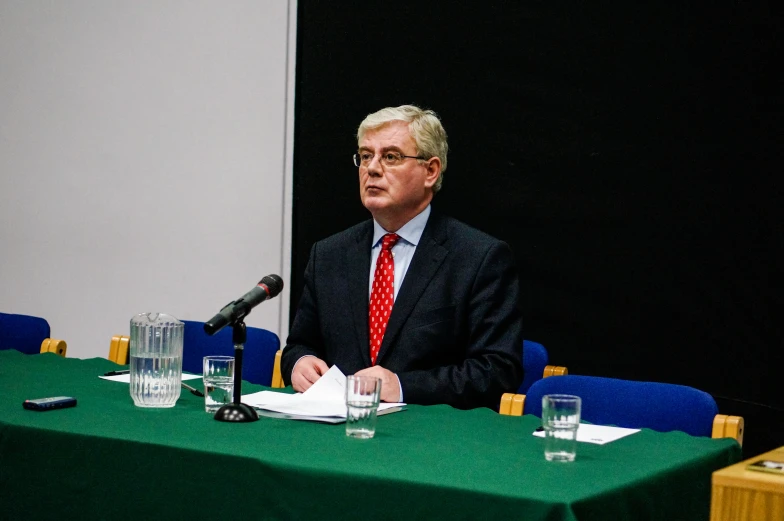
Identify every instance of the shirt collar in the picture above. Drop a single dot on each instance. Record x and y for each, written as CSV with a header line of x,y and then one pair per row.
x,y
410,232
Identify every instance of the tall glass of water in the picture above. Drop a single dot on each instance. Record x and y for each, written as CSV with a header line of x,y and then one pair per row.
x,y
560,419
156,359
362,397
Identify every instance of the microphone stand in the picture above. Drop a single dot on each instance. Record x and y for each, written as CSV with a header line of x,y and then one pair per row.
x,y
237,412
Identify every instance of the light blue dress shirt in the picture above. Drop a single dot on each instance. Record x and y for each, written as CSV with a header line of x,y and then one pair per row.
x,y
402,251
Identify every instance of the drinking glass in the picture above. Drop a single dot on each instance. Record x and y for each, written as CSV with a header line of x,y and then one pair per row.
x,y
218,374
362,397
560,420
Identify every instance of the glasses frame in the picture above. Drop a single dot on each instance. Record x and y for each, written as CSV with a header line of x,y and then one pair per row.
x,y
358,160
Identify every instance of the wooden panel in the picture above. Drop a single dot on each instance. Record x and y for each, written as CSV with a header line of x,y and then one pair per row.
x,y
748,495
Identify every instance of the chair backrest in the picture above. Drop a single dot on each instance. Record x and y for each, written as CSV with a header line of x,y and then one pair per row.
x,y
258,358
23,332
626,403
535,359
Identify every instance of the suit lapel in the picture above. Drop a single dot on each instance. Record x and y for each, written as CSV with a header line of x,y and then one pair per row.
x,y
428,257
358,272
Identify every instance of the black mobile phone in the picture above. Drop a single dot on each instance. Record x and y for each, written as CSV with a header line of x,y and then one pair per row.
x,y
48,404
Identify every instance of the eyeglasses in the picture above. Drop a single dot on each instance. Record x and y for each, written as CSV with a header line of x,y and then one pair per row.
x,y
388,159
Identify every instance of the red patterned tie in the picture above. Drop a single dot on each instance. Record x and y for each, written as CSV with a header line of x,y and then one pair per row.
x,y
382,296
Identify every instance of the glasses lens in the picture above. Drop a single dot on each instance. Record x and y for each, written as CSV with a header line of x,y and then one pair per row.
x,y
392,158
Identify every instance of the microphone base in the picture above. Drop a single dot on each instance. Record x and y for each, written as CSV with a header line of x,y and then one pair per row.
x,y
236,413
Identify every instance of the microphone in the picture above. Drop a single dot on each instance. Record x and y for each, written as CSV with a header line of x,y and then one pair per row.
x,y
236,310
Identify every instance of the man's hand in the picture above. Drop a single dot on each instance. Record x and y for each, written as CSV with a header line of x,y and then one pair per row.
x,y
306,371
390,385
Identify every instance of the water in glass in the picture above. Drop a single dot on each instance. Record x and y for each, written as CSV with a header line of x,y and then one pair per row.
x,y
560,441
218,391
361,419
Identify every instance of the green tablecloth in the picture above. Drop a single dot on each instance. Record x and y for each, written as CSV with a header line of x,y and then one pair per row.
x,y
106,459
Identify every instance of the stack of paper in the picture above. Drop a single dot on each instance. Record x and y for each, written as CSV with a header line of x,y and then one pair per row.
x,y
598,434
325,401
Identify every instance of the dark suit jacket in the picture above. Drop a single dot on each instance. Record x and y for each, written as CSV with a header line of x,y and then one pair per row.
x,y
455,332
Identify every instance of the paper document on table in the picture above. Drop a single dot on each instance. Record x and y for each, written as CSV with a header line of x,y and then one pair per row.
x,y
126,378
598,434
324,401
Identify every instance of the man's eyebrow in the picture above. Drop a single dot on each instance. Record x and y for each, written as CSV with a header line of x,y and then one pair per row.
x,y
385,149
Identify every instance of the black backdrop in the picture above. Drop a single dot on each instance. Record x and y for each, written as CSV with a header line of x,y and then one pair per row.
x,y
630,155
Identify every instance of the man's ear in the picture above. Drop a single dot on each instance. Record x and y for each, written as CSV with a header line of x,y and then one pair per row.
x,y
433,171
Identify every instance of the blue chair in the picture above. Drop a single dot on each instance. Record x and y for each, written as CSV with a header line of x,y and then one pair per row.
x,y
258,358
28,334
625,403
535,365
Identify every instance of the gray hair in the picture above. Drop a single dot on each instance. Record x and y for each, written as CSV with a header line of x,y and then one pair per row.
x,y
424,126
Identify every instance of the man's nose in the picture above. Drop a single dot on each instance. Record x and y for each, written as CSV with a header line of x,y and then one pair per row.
x,y
374,167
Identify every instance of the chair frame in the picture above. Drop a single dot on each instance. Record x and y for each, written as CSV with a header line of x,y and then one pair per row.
x,y
724,426
277,377
53,345
118,349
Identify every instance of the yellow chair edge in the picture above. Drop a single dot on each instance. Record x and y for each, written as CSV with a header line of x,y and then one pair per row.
x,y
725,426
277,377
512,404
118,349
53,345
554,370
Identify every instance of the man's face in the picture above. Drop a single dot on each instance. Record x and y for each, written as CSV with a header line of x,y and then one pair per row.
x,y
395,194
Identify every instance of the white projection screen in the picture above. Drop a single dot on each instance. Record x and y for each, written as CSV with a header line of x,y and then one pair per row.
x,y
144,160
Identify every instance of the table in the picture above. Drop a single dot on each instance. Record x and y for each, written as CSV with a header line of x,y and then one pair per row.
x,y
106,459
739,494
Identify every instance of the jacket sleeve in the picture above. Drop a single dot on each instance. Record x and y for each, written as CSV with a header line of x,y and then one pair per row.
x,y
305,335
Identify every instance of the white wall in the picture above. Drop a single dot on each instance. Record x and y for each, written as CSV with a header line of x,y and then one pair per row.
x,y
144,160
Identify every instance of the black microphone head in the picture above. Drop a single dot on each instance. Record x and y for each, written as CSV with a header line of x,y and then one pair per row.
x,y
274,284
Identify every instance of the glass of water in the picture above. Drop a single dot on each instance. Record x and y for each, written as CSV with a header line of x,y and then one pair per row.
x,y
218,382
362,397
560,420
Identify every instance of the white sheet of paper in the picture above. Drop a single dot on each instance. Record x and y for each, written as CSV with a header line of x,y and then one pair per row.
x,y
324,399
127,377
598,434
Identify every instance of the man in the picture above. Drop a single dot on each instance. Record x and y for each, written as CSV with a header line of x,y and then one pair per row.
x,y
421,301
